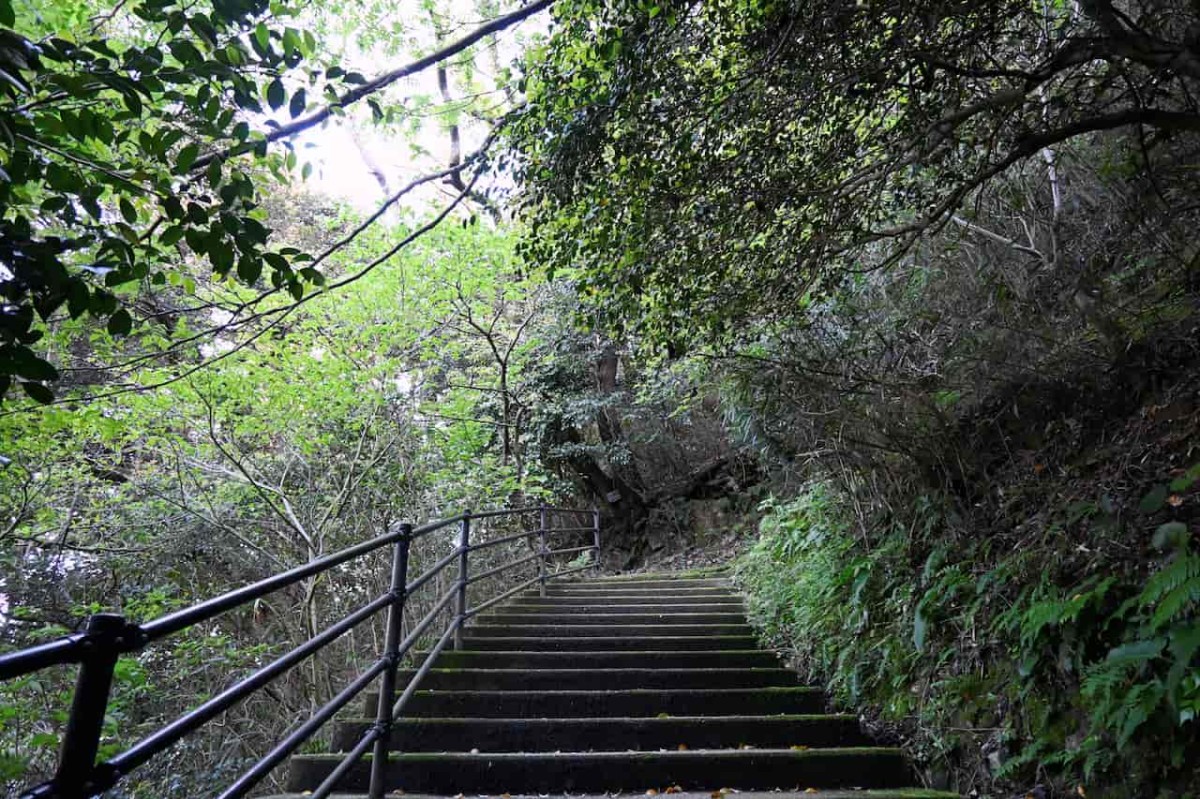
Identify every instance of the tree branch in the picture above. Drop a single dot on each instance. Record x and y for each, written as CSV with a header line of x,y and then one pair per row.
x,y
370,87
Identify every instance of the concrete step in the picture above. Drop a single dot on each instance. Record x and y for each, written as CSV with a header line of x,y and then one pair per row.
x,y
655,582
886,793
581,643
453,773
574,679
647,631
636,599
611,734
639,590
726,659
508,616
608,704
713,573
623,683
639,609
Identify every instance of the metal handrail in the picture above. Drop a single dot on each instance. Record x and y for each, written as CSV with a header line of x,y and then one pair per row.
x,y
107,636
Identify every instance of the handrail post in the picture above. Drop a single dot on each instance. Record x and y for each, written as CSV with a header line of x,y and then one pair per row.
x,y
387,680
596,536
460,610
543,519
81,741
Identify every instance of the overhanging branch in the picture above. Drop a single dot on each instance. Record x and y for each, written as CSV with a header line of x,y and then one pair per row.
x,y
370,87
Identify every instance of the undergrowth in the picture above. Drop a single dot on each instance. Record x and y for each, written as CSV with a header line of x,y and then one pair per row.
x,y
1076,671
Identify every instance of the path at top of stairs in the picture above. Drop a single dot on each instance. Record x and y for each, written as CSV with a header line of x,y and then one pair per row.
x,y
620,684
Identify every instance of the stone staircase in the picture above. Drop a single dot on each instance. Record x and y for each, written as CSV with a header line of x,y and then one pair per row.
x,y
641,684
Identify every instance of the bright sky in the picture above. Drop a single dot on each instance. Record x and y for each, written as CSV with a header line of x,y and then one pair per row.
x,y
339,167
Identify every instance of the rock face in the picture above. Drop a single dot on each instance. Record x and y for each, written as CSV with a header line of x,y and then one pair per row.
x,y
634,684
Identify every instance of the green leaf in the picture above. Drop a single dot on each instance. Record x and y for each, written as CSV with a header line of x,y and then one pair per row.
x,y
171,235
120,323
920,627
187,156
249,270
276,94
31,367
38,392
133,102
1187,479
128,211
1136,652
1171,535
298,104
263,36
7,17
1153,501
213,173
291,40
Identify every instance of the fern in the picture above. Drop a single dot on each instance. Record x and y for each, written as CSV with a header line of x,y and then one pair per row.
x,y
1172,591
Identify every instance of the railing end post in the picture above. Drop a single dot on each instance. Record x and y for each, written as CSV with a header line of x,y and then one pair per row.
x,y
596,537
387,680
460,611
76,773
543,523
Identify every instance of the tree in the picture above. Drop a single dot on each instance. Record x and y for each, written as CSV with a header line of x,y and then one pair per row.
x,y
713,168
132,146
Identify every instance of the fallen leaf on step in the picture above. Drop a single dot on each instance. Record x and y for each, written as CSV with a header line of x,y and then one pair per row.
x,y
682,747
798,748
1079,790
745,746
718,794
674,789
810,790
474,751
651,792
663,716
397,792
505,796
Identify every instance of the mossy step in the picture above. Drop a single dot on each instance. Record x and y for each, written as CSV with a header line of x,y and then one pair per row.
x,y
666,620
646,631
571,679
581,643
546,772
637,702
727,659
611,734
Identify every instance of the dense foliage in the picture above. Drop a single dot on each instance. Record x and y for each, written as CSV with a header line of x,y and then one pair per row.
x,y
764,151
937,259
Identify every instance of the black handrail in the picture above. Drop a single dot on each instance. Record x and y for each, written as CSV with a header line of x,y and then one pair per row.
x,y
107,636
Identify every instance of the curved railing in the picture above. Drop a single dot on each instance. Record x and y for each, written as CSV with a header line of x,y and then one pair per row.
x,y
105,637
